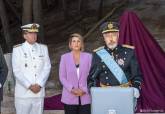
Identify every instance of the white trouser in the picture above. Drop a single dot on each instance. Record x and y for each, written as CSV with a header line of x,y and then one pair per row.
x,y
135,104
29,105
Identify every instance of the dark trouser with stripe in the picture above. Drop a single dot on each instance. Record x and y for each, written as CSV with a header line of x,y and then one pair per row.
x,y
77,109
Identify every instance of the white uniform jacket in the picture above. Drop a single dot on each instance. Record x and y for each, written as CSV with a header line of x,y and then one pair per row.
x,y
31,65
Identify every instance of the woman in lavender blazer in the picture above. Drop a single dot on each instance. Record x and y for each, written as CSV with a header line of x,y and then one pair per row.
x,y
73,72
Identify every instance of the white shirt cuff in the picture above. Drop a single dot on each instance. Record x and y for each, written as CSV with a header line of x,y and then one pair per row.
x,y
136,93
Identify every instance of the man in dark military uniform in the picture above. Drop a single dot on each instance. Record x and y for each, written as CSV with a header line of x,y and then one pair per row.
x,y
113,64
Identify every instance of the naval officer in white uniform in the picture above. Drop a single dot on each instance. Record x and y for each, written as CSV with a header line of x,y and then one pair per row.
x,y
31,67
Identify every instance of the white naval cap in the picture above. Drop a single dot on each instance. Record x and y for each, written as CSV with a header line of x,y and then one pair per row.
x,y
31,27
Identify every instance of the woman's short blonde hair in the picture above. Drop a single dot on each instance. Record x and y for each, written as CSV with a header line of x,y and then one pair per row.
x,y
77,35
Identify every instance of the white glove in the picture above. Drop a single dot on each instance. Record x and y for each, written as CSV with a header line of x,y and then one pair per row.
x,y
136,93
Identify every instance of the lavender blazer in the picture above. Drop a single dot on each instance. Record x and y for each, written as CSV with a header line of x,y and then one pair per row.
x,y
69,79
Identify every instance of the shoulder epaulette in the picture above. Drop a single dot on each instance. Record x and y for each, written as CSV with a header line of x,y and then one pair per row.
x,y
98,49
17,45
128,46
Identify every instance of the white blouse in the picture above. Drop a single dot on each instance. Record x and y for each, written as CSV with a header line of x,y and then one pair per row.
x,y
78,71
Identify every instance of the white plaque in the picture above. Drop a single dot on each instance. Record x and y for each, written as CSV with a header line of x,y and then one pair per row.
x,y
111,111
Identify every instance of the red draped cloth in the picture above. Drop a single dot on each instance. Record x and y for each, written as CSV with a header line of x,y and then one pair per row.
x,y
53,103
151,59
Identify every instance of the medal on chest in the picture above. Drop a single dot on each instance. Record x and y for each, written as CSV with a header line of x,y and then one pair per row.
x,y
25,55
113,55
120,62
26,65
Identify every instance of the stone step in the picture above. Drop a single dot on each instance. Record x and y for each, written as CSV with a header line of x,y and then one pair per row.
x,y
12,111
53,112
8,110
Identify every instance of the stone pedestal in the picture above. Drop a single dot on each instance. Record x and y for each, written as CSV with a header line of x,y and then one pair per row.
x,y
10,82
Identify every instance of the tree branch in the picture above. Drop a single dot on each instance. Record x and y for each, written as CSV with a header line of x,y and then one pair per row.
x,y
103,19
